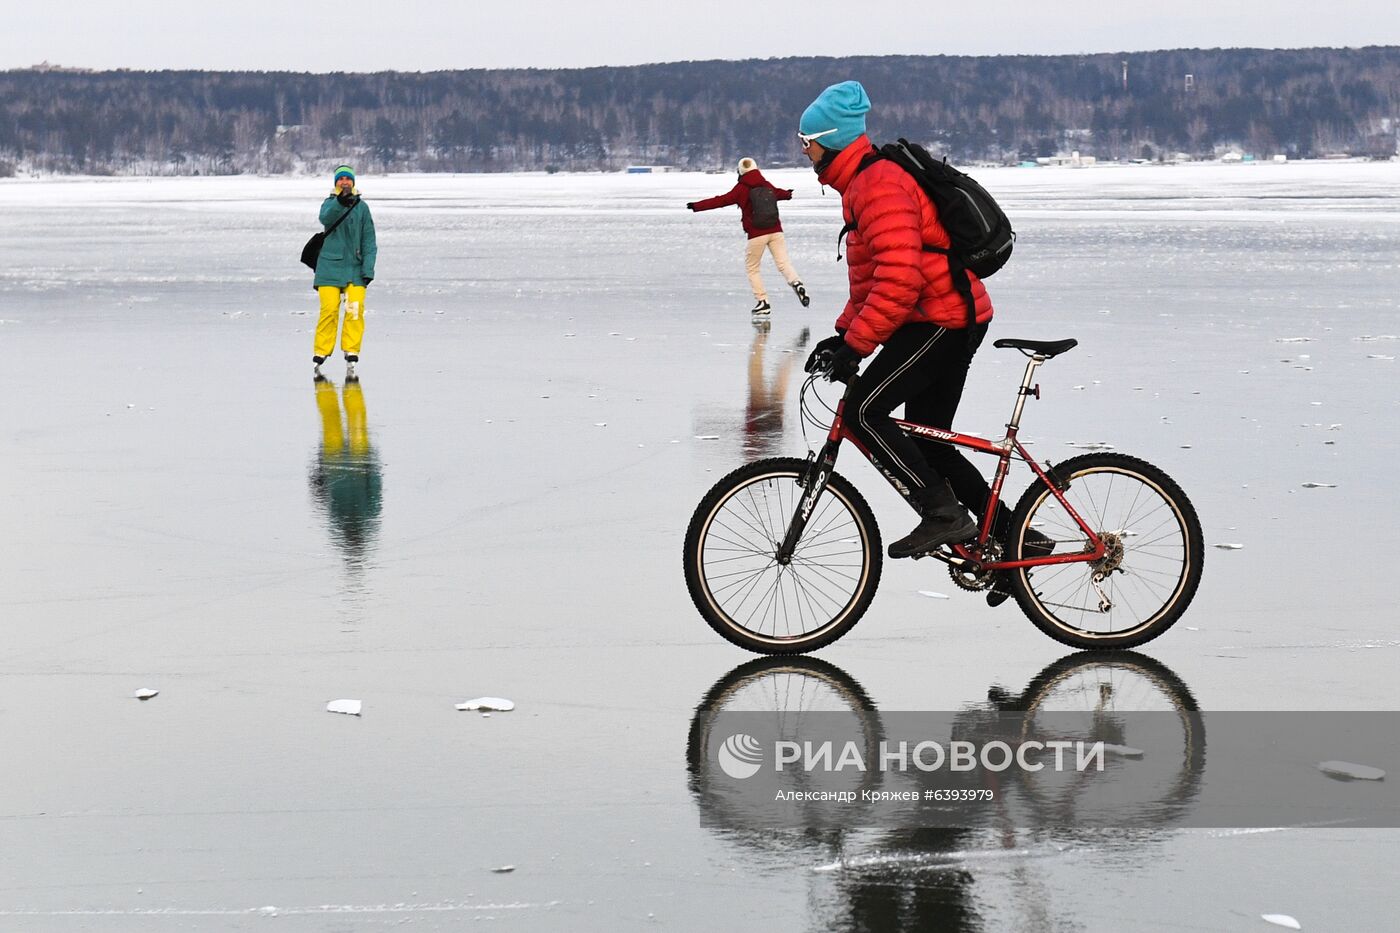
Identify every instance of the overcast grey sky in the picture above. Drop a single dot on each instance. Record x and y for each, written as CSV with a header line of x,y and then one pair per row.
x,y
426,35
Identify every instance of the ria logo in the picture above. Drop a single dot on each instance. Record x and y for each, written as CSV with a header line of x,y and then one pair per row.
x,y
740,756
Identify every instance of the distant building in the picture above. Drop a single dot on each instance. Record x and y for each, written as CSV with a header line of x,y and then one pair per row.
x,y
646,169
1073,160
44,67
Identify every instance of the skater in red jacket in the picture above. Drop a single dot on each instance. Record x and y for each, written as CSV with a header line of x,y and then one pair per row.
x,y
758,206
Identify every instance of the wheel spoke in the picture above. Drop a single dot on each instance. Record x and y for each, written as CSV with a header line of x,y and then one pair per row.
x,y
751,592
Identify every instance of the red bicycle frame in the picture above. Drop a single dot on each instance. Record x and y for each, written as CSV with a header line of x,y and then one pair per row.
x,y
1004,450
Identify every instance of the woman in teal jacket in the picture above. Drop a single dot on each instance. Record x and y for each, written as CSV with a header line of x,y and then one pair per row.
x,y
345,268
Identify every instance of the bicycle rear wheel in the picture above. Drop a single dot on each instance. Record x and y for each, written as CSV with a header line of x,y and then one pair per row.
x,y
1153,564
742,590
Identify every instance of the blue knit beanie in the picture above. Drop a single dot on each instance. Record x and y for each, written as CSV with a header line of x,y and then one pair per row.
x,y
344,171
841,107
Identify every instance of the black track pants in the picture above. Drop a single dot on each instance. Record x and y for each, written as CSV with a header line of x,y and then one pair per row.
x,y
922,367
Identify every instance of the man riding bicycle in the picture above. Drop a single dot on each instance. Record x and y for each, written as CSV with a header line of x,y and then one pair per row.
x,y
902,298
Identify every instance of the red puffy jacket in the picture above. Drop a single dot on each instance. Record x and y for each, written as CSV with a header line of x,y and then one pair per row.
x,y
739,195
893,279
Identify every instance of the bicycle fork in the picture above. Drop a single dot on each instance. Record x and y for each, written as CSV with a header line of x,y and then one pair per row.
x,y
814,482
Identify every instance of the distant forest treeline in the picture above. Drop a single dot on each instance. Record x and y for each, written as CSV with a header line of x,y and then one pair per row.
x,y
1301,103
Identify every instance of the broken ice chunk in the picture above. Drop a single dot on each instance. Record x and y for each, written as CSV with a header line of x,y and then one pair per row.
x,y
1292,340
348,707
932,595
1350,772
1319,485
504,869
1226,546
707,437
145,693
487,703
1281,920
1125,751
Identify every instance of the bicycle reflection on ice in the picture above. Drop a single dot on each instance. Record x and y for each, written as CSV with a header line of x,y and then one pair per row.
x,y
921,877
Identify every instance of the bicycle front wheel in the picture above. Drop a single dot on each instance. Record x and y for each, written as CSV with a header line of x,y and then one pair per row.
x,y
1143,583
737,582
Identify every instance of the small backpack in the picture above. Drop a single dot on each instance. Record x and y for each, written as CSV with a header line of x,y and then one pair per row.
x,y
763,207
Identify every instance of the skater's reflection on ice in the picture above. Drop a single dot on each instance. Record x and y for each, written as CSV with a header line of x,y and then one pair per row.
x,y
763,418
346,478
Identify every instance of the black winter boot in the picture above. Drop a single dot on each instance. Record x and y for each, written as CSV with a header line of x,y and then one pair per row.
x,y
945,521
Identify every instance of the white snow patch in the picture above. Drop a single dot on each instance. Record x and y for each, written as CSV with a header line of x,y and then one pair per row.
x,y
932,595
1227,546
348,707
1319,485
1281,920
487,703
145,693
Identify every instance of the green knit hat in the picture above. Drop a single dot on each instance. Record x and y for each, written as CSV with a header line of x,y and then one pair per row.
x,y
343,171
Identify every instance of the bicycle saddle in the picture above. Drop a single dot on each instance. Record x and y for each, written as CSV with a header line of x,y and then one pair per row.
x,y
1045,348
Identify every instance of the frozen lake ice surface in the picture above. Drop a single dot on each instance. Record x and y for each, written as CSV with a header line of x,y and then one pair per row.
x,y
555,369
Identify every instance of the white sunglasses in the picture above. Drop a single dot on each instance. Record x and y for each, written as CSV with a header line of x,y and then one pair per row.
x,y
808,138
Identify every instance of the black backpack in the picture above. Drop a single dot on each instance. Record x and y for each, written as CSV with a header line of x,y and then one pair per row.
x,y
763,207
980,233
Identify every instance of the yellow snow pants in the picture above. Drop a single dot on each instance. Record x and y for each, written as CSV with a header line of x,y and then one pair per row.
x,y
354,330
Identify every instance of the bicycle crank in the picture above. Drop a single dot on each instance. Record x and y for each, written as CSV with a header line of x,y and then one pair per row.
x,y
970,575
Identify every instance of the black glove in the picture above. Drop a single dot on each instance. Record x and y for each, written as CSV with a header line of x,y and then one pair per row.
x,y
345,198
368,279
845,363
815,363
690,204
